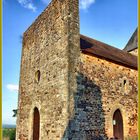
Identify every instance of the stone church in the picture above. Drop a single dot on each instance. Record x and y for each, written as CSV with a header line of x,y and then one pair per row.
x,y
72,85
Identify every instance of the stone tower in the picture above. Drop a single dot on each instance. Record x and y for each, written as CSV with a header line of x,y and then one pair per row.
x,y
132,44
50,56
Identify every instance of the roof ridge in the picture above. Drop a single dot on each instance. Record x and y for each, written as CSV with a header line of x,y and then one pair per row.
x,y
100,49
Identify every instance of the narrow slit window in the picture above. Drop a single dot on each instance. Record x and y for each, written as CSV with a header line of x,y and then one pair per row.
x,y
37,76
124,82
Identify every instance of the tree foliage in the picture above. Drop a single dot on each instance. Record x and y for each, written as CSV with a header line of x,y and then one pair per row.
x,y
9,132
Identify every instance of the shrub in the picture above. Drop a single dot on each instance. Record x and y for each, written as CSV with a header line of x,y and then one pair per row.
x,y
9,132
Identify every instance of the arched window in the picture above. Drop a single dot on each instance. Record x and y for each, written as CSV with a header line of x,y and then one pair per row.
x,y
36,124
37,76
118,124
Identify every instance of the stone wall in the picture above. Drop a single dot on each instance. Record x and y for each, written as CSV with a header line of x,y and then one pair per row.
x,y
101,91
50,55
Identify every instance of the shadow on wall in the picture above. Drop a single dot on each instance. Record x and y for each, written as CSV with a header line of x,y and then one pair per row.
x,y
89,114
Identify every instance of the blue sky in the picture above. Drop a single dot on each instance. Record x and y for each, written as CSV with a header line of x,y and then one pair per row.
x,y
110,21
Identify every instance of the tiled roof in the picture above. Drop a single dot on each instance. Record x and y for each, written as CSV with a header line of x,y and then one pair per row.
x,y
93,47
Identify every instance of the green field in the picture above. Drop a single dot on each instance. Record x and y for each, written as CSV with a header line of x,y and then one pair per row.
x,y
9,133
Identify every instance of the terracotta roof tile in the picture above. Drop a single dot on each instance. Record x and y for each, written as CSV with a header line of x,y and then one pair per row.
x,y
93,47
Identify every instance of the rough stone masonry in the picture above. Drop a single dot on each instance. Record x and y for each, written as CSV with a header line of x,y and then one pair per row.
x,y
48,71
65,94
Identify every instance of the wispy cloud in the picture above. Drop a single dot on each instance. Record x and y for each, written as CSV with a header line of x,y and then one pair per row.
x,y
27,4
85,4
12,87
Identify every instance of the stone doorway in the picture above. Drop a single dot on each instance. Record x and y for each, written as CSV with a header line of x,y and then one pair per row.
x,y
36,124
118,125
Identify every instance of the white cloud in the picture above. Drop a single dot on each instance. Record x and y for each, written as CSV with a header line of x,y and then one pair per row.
x,y
12,87
85,4
27,4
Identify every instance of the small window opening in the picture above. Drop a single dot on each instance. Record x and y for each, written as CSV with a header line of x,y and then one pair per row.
x,y
124,82
37,76
114,122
